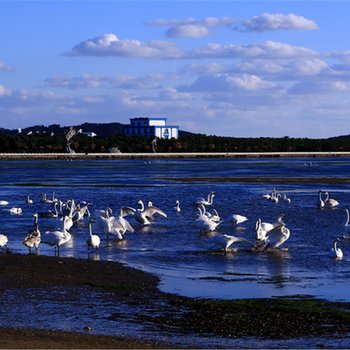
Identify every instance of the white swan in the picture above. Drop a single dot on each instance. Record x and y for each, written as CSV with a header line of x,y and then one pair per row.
x,y
224,242
46,200
214,215
69,217
29,200
177,206
204,201
16,211
336,252
266,226
262,231
33,238
320,203
116,226
204,223
80,213
238,219
3,202
70,207
49,213
330,202
3,241
93,240
277,236
105,219
121,225
57,238
144,216
347,223
275,198
286,199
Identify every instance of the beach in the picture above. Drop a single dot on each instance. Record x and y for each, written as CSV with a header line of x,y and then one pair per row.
x,y
272,318
22,272
170,155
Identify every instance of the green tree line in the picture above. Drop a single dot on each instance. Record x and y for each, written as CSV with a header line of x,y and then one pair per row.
x,y
39,143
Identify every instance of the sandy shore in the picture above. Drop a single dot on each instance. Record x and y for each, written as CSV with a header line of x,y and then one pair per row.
x,y
187,155
263,319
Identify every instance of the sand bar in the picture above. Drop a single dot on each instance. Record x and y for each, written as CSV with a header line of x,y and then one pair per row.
x,y
116,156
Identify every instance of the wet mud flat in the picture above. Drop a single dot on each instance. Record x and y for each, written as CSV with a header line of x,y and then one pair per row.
x,y
264,321
264,180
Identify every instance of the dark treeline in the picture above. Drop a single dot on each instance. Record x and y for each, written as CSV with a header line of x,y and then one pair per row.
x,y
189,143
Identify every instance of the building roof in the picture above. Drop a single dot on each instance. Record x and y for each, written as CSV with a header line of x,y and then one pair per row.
x,y
149,118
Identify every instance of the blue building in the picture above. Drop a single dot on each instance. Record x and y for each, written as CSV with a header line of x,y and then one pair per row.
x,y
151,127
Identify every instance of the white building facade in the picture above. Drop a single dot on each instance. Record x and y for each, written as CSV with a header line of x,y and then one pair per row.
x,y
151,127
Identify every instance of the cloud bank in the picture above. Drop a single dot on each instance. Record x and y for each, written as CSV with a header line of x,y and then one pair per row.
x,y
110,45
267,22
192,28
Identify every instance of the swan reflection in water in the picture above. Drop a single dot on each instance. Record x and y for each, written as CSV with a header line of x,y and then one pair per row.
x,y
93,256
274,268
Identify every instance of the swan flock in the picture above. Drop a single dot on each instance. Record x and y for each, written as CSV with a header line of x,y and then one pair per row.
x,y
257,235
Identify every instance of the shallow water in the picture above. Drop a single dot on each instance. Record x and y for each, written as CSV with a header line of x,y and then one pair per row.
x,y
172,247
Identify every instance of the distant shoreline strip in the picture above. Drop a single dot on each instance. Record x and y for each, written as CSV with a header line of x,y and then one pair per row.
x,y
86,156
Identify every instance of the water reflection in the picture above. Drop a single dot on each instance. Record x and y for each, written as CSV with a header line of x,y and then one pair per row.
x,y
277,268
94,256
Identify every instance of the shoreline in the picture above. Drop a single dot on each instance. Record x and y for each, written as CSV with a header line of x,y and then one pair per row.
x,y
24,273
198,155
271,320
29,338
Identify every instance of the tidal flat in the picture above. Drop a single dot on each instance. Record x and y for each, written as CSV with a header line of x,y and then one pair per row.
x,y
266,322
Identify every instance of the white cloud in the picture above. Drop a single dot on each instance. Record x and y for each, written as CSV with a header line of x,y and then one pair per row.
x,y
84,81
173,94
243,105
110,45
190,27
187,31
3,91
5,67
268,49
89,81
205,69
229,83
148,81
344,56
284,69
308,67
193,28
321,88
268,21
206,21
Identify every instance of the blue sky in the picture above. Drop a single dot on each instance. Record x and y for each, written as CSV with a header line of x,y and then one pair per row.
x,y
227,68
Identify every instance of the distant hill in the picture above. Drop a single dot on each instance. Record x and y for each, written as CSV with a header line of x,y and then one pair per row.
x,y
103,130
100,129
340,137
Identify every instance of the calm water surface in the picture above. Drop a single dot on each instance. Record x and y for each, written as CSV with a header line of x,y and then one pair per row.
x,y
172,247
